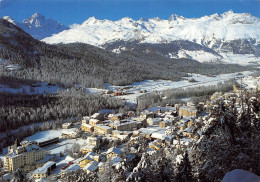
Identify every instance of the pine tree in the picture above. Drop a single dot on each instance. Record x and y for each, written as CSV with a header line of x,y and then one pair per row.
x,y
184,172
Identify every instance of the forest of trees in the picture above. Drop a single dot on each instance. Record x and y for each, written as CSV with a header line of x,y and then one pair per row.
x,y
173,96
19,110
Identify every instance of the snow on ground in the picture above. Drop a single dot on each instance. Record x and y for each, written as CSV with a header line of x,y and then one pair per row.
x,y
251,82
160,85
200,56
242,59
45,135
152,129
241,176
65,144
39,89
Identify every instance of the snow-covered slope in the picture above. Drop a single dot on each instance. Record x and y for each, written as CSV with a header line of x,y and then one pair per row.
x,y
207,30
38,26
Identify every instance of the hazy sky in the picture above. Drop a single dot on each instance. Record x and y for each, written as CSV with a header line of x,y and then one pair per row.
x,y
77,11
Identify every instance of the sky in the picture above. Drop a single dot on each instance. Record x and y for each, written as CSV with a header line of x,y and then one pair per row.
x,y
77,11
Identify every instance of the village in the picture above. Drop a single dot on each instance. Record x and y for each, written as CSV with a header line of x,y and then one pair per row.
x,y
115,137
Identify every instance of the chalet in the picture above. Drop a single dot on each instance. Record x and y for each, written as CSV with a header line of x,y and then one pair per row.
x,y
98,116
117,116
114,152
160,142
146,115
183,123
153,121
91,167
44,171
85,120
94,122
70,134
88,158
188,111
154,146
123,126
164,124
102,129
170,130
87,128
67,125
190,123
92,144
86,149
93,141
189,132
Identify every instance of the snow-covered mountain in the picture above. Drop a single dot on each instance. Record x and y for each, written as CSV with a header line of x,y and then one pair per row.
x,y
237,33
213,38
38,26
207,30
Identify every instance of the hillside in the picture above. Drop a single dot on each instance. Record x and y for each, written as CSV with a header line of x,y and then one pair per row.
x,y
212,36
88,65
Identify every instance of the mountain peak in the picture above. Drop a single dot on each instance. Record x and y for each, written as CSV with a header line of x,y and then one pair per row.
x,y
90,20
37,15
174,17
35,19
143,19
9,19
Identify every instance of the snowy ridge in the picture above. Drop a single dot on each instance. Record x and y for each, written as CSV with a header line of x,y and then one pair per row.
x,y
204,31
38,26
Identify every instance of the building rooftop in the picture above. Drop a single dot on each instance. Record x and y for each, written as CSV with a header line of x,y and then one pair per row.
x,y
115,150
28,148
44,168
103,126
92,166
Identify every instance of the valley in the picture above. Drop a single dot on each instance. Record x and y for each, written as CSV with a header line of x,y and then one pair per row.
x,y
153,99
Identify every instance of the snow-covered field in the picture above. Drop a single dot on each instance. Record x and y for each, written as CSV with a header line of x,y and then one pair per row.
x,y
242,59
200,56
135,88
39,89
160,85
251,82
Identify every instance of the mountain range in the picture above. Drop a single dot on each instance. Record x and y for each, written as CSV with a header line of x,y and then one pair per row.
x,y
214,38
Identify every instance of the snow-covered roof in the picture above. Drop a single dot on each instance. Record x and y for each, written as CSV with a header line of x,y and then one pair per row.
x,y
95,115
28,148
72,131
115,160
103,126
94,120
44,168
87,125
155,109
67,124
158,135
87,147
188,108
92,166
184,120
114,150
